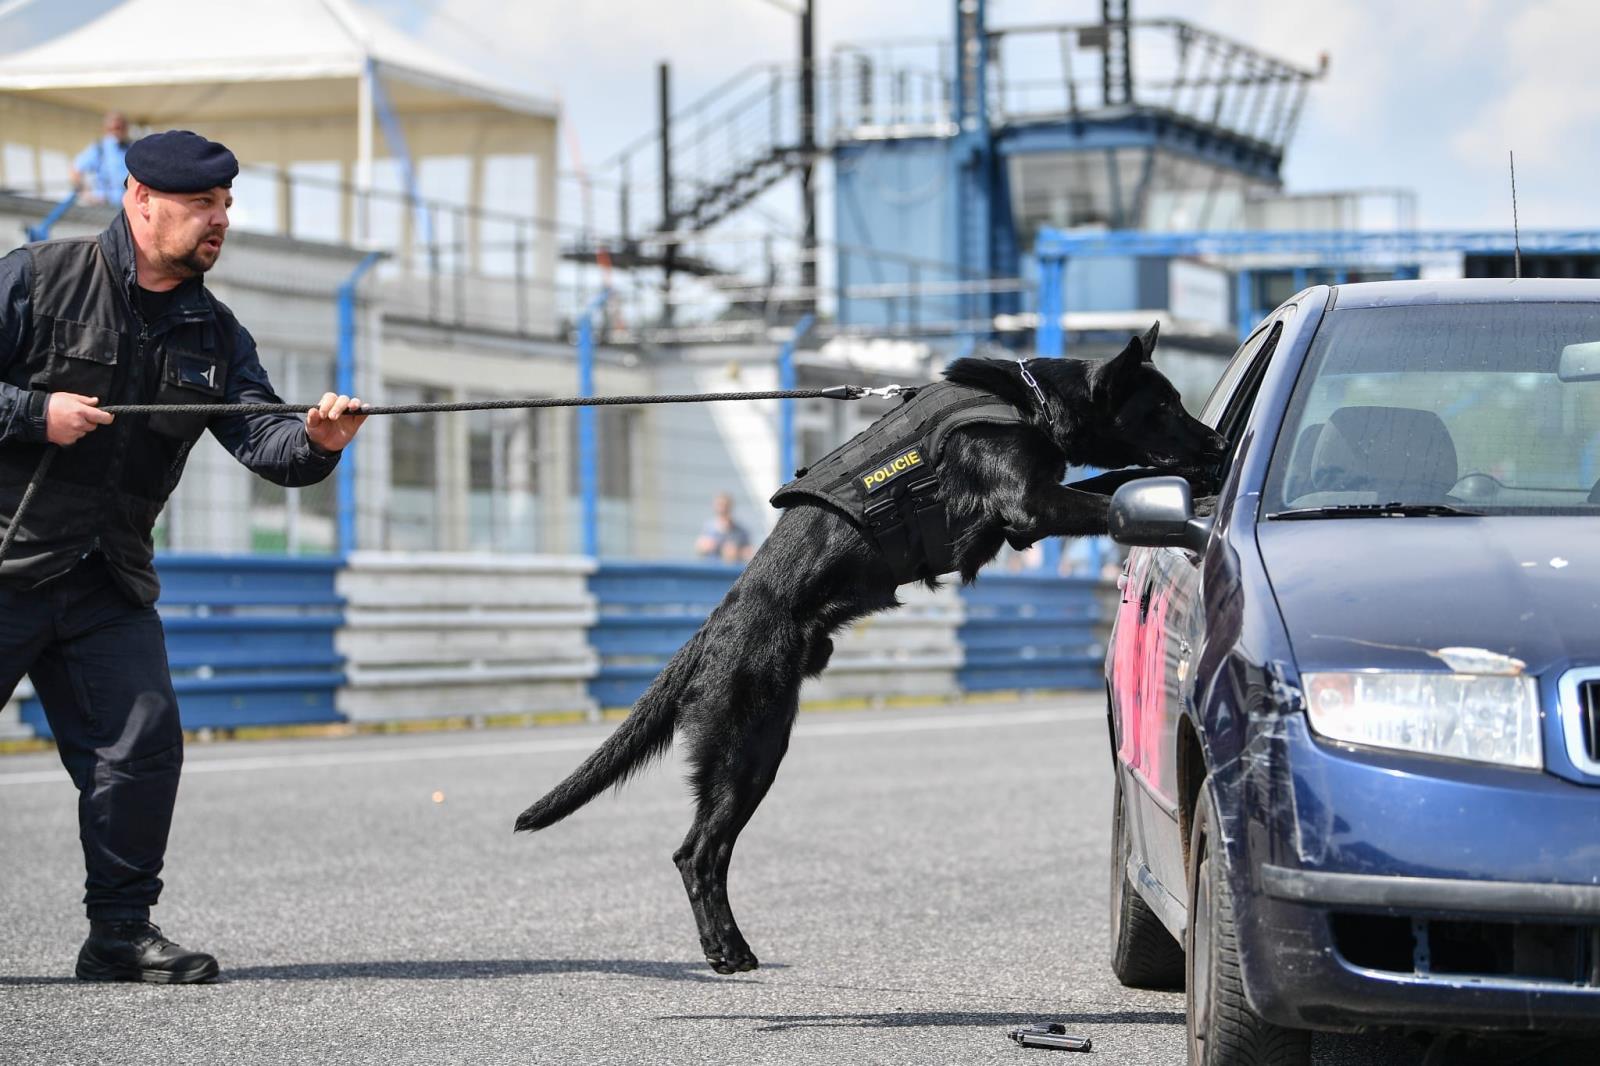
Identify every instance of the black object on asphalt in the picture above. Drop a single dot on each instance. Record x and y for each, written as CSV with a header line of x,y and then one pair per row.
x,y
1054,1035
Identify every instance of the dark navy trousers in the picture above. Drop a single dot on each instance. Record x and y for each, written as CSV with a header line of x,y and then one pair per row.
x,y
99,665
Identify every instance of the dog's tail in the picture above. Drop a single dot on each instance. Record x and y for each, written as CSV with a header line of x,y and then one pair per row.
x,y
644,735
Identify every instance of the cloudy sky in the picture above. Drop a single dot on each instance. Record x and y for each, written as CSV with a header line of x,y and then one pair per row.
x,y
1427,94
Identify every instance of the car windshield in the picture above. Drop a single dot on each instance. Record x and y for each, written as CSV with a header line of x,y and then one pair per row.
x,y
1444,409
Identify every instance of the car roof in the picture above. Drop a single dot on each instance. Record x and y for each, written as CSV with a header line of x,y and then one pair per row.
x,y
1465,291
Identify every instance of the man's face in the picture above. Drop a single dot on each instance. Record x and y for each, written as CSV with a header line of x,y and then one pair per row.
x,y
117,126
188,228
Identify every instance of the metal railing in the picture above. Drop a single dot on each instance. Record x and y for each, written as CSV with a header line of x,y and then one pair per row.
x,y
1176,66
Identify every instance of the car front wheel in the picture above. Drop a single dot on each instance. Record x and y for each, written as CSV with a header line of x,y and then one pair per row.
x,y
1143,953
1223,1030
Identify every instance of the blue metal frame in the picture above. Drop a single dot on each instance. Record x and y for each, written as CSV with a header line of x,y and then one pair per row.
x,y
345,383
250,640
40,231
786,381
1325,245
1333,247
1048,339
588,441
972,158
647,612
395,134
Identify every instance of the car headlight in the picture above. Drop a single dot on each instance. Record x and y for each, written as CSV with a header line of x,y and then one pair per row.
x,y
1485,718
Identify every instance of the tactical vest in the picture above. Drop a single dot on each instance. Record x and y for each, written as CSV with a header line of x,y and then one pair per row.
x,y
885,479
106,491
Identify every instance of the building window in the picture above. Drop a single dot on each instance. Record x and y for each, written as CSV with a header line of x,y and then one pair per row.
x,y
615,430
503,481
412,518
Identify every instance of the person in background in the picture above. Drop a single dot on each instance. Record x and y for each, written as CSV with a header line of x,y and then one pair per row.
x,y
723,538
101,169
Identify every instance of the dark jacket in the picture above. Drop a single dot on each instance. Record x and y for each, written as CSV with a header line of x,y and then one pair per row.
x,y
885,479
69,322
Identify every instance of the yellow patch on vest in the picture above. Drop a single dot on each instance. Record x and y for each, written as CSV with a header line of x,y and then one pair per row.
x,y
892,469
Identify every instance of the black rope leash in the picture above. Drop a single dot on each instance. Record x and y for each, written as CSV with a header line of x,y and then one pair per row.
x,y
27,498
835,392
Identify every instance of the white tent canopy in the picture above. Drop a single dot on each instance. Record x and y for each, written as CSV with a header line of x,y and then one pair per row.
x,y
169,61
281,82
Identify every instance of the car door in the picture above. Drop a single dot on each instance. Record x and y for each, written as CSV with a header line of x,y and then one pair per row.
x,y
1169,618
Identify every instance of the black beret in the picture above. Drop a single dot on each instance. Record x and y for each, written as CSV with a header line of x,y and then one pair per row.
x,y
181,161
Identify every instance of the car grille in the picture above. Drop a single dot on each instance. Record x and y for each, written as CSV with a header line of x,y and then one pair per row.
x,y
1578,709
1589,706
1439,949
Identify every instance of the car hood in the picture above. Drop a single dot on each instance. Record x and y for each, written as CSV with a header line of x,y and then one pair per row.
x,y
1389,593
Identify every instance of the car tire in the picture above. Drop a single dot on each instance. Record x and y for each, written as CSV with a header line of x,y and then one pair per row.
x,y
1222,1028
1143,953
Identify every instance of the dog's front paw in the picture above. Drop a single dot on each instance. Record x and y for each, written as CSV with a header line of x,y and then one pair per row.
x,y
1203,481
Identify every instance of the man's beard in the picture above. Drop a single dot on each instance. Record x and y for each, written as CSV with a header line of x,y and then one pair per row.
x,y
191,264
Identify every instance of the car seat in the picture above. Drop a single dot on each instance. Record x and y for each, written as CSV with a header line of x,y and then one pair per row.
x,y
1393,453
1297,479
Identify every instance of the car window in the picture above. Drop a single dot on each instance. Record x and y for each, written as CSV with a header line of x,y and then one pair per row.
x,y
1237,409
1480,407
1243,374
1211,412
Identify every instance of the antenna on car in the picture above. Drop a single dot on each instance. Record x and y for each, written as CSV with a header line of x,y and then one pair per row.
x,y
1516,232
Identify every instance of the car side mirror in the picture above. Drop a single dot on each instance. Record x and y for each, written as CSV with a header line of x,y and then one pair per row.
x,y
1157,512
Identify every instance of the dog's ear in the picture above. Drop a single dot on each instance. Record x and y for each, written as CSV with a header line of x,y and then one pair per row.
x,y
1148,341
1121,372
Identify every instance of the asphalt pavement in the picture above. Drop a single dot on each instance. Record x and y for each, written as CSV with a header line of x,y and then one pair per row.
x,y
917,882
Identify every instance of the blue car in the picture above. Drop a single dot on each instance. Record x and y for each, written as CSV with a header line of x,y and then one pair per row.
x,y
1355,701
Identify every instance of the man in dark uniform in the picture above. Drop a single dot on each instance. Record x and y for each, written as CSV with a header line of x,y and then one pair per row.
x,y
89,322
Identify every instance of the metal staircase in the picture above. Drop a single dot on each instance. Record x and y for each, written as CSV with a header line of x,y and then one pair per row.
x,y
1054,86
711,203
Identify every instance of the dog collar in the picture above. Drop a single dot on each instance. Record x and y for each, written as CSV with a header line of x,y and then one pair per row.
x,y
1033,384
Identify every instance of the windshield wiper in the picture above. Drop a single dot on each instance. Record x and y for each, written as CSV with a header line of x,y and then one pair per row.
x,y
1394,509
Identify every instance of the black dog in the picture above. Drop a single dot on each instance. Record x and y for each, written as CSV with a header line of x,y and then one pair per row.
x,y
733,689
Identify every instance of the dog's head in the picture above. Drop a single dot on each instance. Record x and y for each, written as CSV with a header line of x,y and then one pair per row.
x,y
1142,421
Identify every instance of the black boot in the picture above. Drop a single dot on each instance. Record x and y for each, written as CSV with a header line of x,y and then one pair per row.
x,y
136,951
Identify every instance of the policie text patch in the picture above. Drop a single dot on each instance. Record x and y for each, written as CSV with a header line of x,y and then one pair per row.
x,y
902,463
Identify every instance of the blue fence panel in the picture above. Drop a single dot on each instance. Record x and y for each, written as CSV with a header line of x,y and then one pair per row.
x,y
250,640
1030,631
647,612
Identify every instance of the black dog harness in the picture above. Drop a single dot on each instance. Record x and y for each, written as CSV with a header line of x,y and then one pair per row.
x,y
885,479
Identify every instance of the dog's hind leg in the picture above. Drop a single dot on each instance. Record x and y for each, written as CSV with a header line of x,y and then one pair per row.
x,y
732,773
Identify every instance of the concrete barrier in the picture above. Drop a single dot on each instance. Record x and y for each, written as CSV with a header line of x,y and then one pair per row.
x,y
438,635
433,635
911,651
